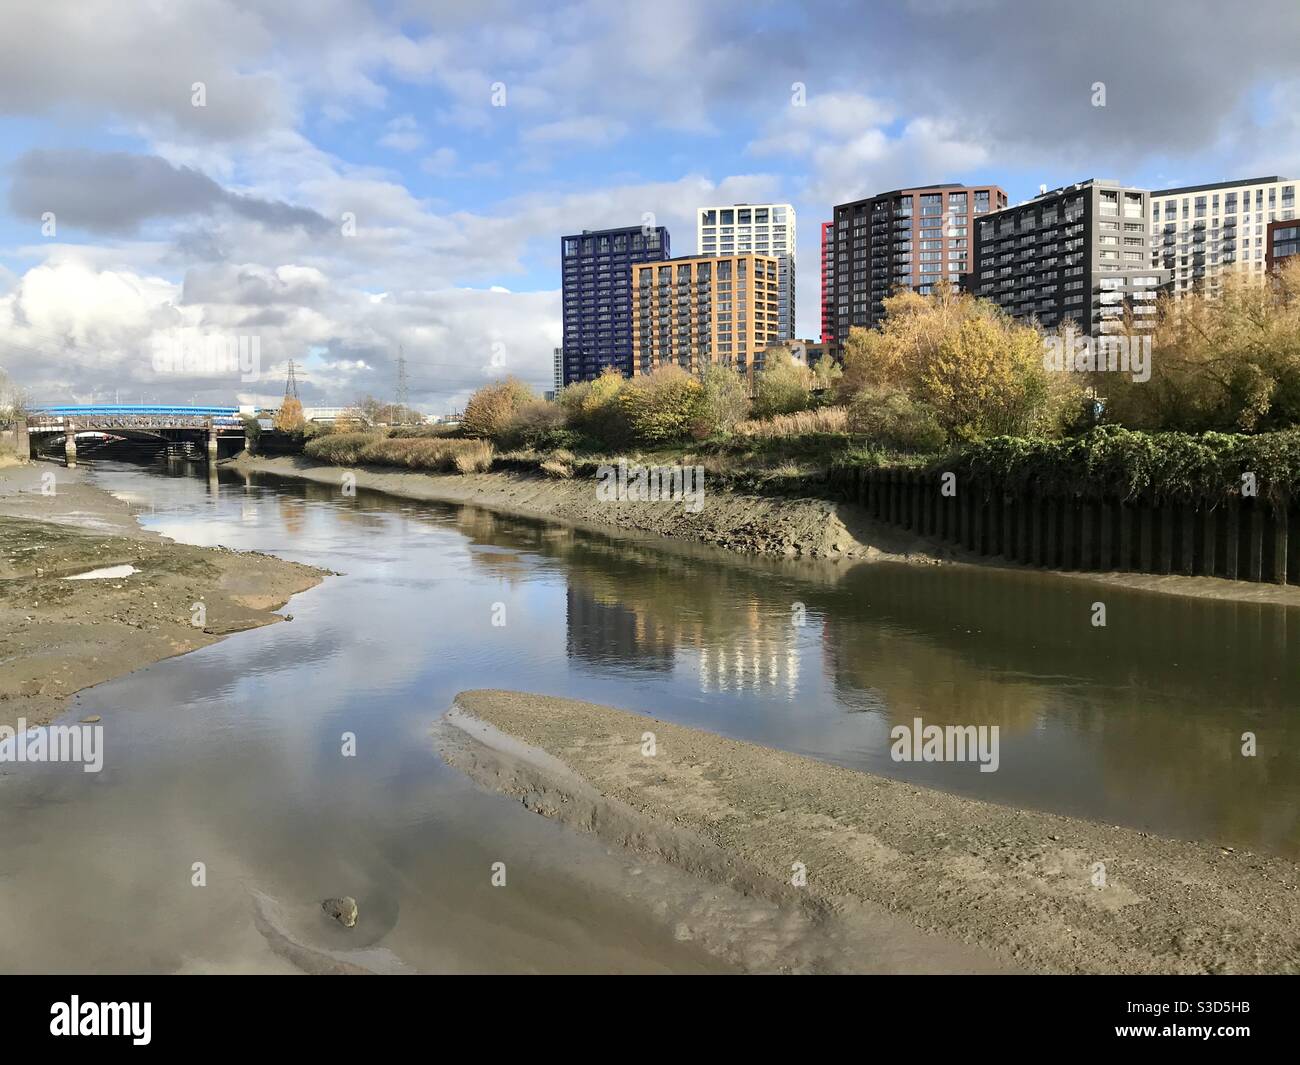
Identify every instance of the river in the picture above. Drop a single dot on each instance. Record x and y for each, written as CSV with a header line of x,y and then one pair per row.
x,y
232,756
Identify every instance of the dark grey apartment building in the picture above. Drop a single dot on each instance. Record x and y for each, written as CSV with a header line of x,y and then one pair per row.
x,y
1076,253
597,293
908,238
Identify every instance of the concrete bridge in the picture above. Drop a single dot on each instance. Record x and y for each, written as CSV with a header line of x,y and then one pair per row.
x,y
210,426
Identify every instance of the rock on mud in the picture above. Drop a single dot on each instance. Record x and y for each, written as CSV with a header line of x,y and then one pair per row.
x,y
343,910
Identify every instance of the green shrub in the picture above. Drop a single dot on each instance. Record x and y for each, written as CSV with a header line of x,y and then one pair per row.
x,y
724,402
531,425
252,432
782,387
562,439
662,407
592,409
894,421
1120,464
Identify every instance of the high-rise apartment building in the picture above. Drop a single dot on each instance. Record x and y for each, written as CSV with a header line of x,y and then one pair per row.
x,y
761,228
1075,253
597,285
908,238
704,309
1201,232
828,281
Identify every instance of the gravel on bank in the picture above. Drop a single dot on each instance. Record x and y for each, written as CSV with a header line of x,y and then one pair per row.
x,y
1040,891
59,636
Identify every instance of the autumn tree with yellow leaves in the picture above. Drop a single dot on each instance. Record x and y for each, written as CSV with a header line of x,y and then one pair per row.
x,y
960,361
1228,361
289,417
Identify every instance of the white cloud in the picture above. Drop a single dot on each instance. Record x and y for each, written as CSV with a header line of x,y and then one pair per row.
x,y
588,130
76,331
403,135
843,116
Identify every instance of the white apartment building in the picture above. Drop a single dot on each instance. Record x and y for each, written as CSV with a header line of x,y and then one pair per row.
x,y
1201,232
759,228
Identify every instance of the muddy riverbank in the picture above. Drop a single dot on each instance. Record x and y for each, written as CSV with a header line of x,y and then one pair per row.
x,y
58,636
1038,891
781,527
802,529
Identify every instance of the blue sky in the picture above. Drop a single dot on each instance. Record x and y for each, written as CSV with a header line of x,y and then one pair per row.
x,y
176,223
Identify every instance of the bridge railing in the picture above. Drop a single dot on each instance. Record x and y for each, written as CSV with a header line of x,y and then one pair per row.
x,y
45,422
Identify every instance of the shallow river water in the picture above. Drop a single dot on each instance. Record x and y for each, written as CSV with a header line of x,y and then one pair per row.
x,y
231,756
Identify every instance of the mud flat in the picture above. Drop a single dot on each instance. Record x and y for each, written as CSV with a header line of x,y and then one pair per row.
x,y
1018,887
803,528
58,636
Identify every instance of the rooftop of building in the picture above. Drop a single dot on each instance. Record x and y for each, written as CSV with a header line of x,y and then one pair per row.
x,y
1219,185
710,257
608,232
954,185
1049,194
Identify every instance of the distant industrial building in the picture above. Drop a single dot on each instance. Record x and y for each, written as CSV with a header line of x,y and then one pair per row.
x,y
323,414
597,294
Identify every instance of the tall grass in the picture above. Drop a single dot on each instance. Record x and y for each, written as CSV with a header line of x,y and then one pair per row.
x,y
472,456
802,423
418,453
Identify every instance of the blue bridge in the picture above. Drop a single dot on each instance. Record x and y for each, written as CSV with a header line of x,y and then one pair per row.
x,y
103,424
97,409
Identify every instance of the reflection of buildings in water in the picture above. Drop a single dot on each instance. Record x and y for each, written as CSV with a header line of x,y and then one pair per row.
x,y
758,654
743,646
755,664
609,632
293,514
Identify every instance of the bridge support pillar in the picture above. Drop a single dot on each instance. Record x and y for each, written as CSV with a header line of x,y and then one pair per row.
x,y
212,445
70,446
